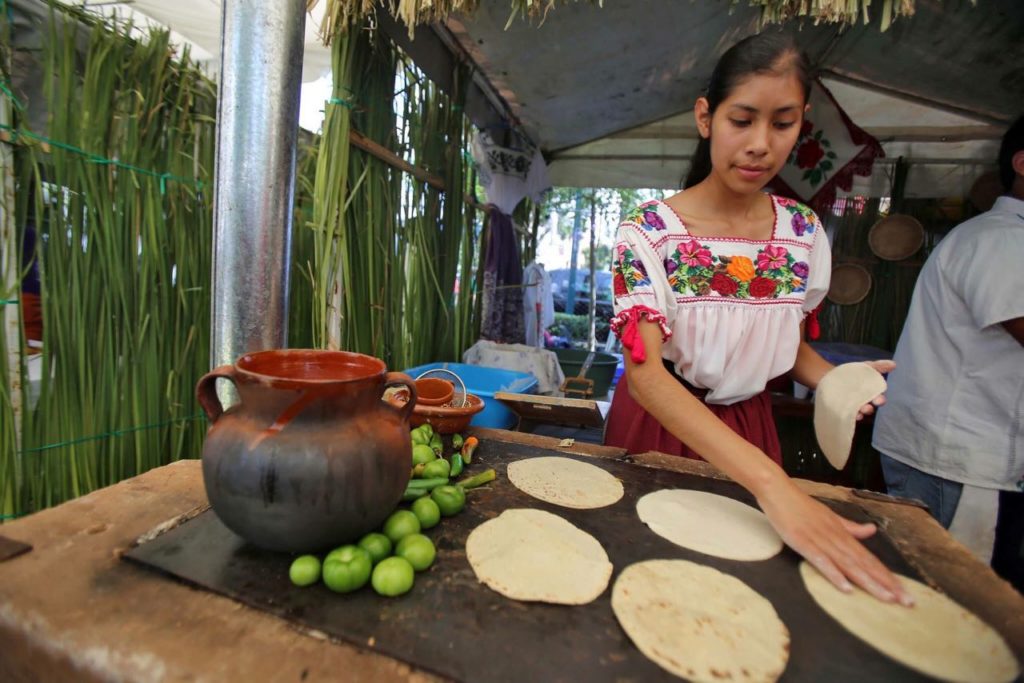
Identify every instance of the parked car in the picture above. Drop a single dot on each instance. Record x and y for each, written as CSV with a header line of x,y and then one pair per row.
x,y
560,289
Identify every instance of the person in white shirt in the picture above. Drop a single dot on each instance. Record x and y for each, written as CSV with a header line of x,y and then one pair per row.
x,y
952,431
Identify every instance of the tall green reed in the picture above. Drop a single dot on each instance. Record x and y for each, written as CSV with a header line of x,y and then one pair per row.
x,y
124,221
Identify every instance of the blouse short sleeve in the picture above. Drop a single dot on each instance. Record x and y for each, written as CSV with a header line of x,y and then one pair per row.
x,y
640,287
820,262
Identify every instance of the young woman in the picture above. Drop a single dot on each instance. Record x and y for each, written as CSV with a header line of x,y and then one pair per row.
x,y
711,289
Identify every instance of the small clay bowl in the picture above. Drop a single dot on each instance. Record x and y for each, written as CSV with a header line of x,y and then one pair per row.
x,y
446,419
431,391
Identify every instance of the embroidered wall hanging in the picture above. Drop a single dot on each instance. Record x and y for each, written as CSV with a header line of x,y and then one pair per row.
x,y
830,151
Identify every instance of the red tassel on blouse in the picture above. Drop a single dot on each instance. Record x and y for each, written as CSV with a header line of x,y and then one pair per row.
x,y
813,327
632,340
625,325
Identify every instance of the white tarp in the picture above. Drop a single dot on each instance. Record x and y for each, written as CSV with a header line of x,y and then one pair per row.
x,y
946,152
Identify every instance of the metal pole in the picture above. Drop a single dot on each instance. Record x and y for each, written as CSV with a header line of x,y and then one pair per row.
x,y
592,345
577,223
257,132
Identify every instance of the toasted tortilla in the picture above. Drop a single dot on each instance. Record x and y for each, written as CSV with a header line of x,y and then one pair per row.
x,y
566,482
700,624
534,555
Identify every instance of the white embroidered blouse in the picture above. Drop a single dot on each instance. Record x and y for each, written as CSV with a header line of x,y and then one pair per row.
x,y
729,308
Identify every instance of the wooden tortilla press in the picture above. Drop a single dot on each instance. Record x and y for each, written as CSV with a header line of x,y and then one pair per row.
x,y
580,386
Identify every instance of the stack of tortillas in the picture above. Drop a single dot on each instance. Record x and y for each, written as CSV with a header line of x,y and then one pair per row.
x,y
710,524
566,482
837,400
699,623
537,556
936,636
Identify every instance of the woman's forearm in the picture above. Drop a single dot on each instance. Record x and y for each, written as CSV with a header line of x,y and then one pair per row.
x,y
687,418
810,367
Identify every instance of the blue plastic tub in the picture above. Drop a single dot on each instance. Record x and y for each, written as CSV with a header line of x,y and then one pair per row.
x,y
484,382
838,353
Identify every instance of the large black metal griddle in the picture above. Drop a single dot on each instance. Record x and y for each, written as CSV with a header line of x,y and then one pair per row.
x,y
454,626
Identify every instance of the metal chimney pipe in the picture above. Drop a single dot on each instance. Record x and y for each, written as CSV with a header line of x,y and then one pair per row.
x,y
257,132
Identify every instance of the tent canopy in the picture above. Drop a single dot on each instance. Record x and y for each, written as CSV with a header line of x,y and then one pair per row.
x,y
607,92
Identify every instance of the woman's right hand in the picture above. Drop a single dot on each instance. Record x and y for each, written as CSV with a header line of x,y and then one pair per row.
x,y
829,542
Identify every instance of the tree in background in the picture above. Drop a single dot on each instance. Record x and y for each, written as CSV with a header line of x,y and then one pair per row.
x,y
595,212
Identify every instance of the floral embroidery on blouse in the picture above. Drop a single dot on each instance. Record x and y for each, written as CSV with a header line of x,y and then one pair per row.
x,y
646,216
629,272
693,270
801,217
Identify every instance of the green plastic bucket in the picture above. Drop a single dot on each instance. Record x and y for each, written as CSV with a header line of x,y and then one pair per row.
x,y
602,369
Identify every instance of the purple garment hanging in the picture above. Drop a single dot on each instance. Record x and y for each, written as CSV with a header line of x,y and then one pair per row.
x,y
502,316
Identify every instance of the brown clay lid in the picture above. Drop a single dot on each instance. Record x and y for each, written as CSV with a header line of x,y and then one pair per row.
x,y
432,391
850,284
896,237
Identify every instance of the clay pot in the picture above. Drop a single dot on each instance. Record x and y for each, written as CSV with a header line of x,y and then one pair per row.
x,y
432,391
311,458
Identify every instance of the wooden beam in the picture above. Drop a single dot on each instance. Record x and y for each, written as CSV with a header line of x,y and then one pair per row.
x,y
386,155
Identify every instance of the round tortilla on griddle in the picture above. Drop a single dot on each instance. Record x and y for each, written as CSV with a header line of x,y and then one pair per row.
x,y
534,555
710,524
566,482
936,636
700,624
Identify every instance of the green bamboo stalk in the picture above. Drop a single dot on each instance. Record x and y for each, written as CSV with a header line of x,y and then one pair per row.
x,y
11,332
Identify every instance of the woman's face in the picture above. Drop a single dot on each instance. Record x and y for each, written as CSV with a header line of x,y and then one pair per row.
x,y
753,130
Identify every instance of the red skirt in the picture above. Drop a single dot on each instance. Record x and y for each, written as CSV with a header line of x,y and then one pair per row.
x,y
32,314
631,427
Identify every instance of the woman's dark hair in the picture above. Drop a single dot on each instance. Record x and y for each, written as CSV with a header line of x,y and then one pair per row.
x,y
1013,142
763,53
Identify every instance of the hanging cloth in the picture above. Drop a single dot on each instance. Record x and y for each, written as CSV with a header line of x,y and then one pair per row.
x,y
508,174
538,303
502,315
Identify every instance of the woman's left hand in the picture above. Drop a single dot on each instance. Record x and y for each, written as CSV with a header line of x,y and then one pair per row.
x,y
882,366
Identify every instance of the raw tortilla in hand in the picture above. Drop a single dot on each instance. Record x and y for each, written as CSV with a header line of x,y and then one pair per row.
x,y
936,636
700,624
837,400
534,555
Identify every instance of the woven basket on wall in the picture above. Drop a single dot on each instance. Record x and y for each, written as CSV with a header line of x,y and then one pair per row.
x,y
896,237
850,284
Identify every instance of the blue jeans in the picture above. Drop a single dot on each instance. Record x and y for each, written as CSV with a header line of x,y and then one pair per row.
x,y
940,495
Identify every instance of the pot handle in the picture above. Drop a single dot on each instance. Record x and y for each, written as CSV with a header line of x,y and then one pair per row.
x,y
400,379
206,390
